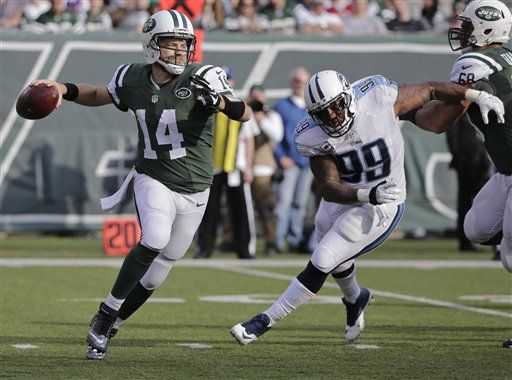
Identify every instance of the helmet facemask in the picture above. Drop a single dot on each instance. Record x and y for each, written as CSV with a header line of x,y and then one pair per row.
x,y
335,117
178,62
461,38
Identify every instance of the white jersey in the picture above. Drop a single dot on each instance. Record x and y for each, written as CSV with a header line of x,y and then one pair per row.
x,y
373,149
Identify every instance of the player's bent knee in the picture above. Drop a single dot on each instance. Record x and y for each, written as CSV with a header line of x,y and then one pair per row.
x,y
157,273
312,278
156,234
471,229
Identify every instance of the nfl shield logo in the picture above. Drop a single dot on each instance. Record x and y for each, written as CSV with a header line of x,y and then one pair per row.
x,y
154,99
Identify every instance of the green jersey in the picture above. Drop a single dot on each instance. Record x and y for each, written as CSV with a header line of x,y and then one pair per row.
x,y
175,131
490,70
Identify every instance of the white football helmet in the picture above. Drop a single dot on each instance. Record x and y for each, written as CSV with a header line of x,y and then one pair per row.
x,y
168,23
330,100
483,22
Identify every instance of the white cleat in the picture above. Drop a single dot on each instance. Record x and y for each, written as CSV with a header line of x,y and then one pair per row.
x,y
355,315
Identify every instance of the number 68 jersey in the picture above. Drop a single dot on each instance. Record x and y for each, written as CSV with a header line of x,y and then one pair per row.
x,y
372,150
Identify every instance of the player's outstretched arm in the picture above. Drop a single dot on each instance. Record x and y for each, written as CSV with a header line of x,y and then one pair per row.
x,y
412,97
81,93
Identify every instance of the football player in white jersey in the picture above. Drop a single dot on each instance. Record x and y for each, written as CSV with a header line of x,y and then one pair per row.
x,y
357,157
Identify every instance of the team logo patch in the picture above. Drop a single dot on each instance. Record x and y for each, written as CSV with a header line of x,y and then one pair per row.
x,y
488,13
327,148
154,99
183,93
149,25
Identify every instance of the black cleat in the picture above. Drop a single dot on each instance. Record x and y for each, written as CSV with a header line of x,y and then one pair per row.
x,y
507,343
101,332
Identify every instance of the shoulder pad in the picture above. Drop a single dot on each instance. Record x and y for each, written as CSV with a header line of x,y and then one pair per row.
x,y
378,90
472,67
311,140
116,83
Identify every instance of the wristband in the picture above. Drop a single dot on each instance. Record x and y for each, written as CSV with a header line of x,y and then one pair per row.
x,y
72,92
363,195
233,108
472,95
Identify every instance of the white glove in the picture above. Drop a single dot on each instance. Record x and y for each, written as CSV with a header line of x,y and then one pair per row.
x,y
384,192
487,102
208,97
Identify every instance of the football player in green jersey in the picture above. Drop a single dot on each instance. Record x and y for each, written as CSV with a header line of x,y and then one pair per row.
x,y
173,101
486,65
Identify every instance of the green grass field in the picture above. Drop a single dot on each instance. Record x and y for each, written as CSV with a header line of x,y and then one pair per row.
x,y
424,322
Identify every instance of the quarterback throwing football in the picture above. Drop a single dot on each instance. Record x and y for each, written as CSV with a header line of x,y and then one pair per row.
x,y
173,103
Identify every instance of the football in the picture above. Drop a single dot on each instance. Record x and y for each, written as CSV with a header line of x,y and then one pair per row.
x,y
36,102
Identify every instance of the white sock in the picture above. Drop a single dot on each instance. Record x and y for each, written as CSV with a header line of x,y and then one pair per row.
x,y
292,298
349,286
113,302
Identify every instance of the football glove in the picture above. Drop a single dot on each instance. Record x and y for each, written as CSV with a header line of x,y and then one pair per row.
x,y
206,95
487,103
383,192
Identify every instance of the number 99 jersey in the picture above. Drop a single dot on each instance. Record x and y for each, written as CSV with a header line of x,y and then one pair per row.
x,y
373,149
174,130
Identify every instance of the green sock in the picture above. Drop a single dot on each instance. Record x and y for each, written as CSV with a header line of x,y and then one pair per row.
x,y
135,299
134,267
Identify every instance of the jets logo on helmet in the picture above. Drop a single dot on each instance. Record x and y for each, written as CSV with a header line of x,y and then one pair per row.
x,y
330,101
170,24
483,22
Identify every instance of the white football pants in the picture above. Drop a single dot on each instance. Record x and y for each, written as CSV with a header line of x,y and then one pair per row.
x,y
347,231
491,213
168,219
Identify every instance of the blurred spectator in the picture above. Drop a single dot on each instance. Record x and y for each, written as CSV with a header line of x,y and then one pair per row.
x,y
245,19
190,8
432,18
213,15
403,21
295,189
233,151
129,14
154,7
457,7
313,18
11,12
473,167
33,9
79,8
362,21
57,19
270,127
339,7
97,18
279,14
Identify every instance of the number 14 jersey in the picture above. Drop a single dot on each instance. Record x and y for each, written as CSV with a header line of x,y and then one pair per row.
x,y
174,130
373,149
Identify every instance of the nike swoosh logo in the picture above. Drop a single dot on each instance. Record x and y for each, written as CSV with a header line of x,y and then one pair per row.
x,y
245,336
97,341
218,72
200,204
466,67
